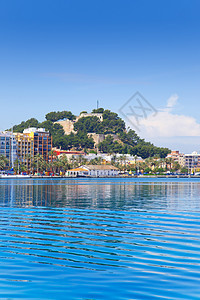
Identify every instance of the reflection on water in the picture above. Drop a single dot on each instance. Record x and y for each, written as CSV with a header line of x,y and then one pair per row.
x,y
99,239
123,194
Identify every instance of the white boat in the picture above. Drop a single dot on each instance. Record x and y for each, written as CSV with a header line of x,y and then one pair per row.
x,y
7,176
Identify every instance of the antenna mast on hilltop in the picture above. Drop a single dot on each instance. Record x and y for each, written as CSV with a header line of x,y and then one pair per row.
x,y
97,104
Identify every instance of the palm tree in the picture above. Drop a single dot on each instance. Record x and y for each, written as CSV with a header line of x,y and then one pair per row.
x,y
23,168
3,162
94,161
143,166
80,160
176,166
39,163
2,165
51,155
162,163
65,165
135,158
29,159
16,166
73,161
113,160
120,160
169,161
151,163
99,160
136,164
123,160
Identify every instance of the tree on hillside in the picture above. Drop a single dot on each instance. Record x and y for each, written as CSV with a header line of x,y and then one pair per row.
x,y
130,138
129,142
98,110
111,146
59,115
23,125
112,123
88,124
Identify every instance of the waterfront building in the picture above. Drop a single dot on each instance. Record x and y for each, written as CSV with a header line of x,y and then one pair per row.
x,y
94,171
102,156
69,154
8,147
31,142
192,161
177,157
122,158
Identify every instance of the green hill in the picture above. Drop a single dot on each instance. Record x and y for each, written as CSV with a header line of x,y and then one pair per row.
x,y
112,125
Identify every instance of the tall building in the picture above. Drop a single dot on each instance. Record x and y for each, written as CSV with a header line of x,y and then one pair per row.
x,y
8,147
192,161
31,142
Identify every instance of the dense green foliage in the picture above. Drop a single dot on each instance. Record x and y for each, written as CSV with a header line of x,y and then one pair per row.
x,y
88,124
130,137
131,143
111,124
146,149
78,141
118,139
23,125
59,115
3,162
98,110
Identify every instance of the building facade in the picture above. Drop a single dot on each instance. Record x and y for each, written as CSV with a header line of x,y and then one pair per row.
x,y
94,171
31,142
8,147
68,153
192,162
177,157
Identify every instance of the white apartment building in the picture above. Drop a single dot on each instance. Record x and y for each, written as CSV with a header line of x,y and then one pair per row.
x,y
192,161
8,146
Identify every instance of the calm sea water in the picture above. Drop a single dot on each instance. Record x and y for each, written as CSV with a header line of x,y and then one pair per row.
x,y
100,239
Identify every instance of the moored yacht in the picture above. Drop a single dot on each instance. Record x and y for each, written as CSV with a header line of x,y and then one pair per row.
x,y
11,176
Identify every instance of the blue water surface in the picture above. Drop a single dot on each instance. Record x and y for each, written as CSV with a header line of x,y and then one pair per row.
x,y
100,239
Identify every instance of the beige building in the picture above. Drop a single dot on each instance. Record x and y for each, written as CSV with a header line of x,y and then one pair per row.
x,y
177,157
25,148
94,171
31,142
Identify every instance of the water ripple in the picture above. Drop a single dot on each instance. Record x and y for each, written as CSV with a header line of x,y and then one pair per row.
x,y
111,247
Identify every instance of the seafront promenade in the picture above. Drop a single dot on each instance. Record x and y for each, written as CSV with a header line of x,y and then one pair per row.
x,y
108,177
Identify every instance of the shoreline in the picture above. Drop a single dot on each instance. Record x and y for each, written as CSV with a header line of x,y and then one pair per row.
x,y
107,177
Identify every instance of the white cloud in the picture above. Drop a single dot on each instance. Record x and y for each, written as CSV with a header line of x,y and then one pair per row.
x,y
171,102
168,124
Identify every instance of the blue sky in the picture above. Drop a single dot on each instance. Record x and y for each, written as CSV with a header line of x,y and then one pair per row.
x,y
66,55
